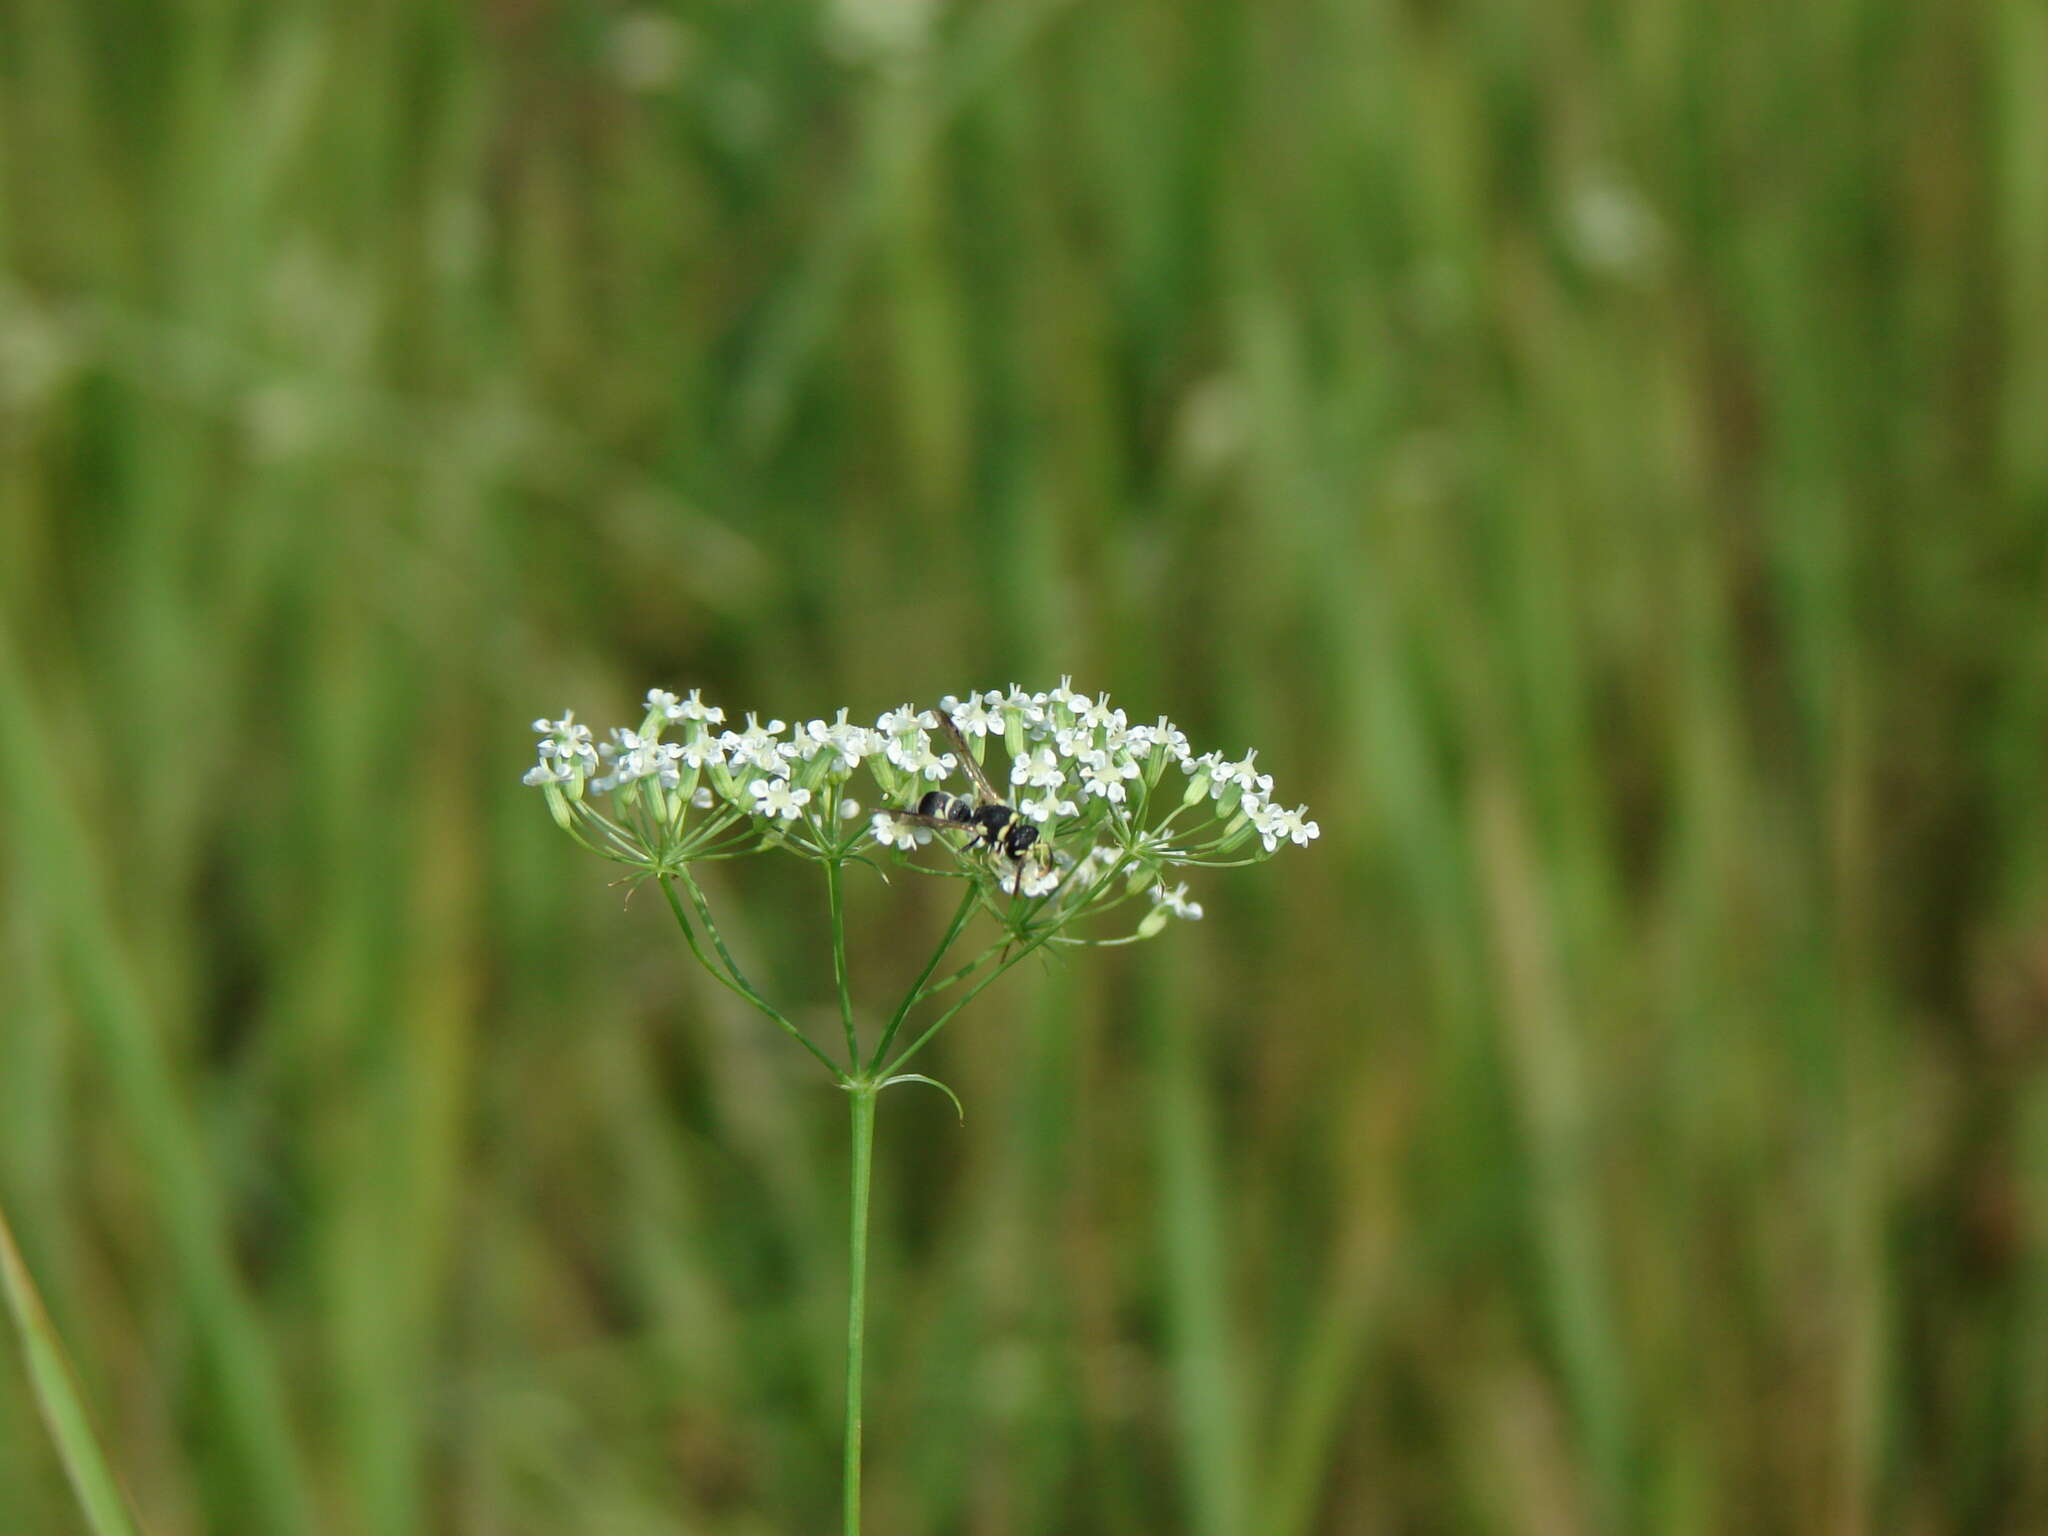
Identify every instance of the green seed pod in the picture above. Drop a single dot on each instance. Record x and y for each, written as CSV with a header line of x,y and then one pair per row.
x,y
558,804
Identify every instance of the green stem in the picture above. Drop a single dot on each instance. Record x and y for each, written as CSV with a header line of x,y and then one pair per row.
x,y
835,897
737,984
703,906
981,986
916,992
863,1096
933,989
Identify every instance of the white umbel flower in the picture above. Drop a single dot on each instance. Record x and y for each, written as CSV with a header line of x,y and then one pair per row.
x,y
1031,880
919,758
1277,825
692,708
1168,735
972,716
758,748
1046,807
892,831
564,751
849,744
701,751
1078,773
774,797
1103,774
1038,769
635,757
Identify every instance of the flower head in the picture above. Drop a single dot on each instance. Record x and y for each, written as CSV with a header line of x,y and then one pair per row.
x,y
564,751
1079,777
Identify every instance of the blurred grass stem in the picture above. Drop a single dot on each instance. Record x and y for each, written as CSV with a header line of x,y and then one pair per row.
x,y
62,1403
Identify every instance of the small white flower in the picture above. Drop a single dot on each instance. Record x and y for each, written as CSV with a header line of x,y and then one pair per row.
x,y
757,748
1038,769
778,799
850,743
1065,697
1033,880
635,757
1046,807
1104,775
973,717
567,742
1028,709
1299,830
901,722
891,831
1277,825
563,754
703,799
916,756
1221,774
1247,778
1263,818
1074,740
1170,736
1176,901
702,751
692,708
1098,714
1119,735
848,807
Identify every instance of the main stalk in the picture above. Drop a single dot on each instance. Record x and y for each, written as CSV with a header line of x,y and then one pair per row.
x,y
863,1097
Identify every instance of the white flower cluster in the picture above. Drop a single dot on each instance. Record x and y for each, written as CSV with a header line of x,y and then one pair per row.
x,y
1090,785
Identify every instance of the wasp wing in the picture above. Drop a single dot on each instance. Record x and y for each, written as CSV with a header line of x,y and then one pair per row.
x,y
968,760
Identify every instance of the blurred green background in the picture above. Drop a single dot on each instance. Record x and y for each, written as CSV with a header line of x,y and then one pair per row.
x,y
1597,452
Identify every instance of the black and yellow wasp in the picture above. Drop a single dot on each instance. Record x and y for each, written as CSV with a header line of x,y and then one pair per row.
x,y
994,825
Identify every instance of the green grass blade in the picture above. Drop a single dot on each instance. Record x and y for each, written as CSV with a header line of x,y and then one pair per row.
x,y
61,871
63,1405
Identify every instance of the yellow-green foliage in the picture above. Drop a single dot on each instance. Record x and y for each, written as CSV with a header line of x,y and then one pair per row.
x,y
1599,453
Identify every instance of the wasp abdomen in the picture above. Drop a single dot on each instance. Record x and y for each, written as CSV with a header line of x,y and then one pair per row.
x,y
944,807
